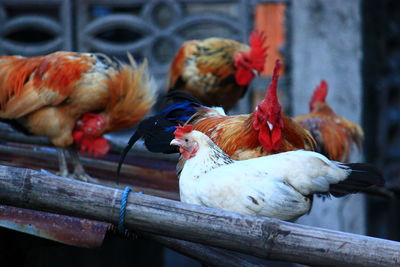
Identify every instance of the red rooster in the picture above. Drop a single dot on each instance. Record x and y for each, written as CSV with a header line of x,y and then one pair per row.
x,y
334,134
265,131
217,71
74,97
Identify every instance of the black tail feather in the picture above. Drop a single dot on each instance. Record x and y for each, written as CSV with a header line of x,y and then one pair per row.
x,y
362,176
136,136
157,131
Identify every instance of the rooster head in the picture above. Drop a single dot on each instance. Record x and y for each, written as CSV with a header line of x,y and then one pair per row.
x,y
250,63
87,135
319,94
268,118
92,124
188,146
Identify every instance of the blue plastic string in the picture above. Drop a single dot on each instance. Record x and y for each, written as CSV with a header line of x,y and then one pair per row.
x,y
122,209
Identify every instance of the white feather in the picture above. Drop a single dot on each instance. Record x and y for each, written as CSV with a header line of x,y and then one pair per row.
x,y
220,110
276,186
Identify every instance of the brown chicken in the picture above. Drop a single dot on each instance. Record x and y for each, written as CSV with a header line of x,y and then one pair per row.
x,y
265,131
74,98
217,71
335,136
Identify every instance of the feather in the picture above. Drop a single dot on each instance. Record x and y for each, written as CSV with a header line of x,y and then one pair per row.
x,y
157,131
266,131
132,95
48,94
334,134
361,177
31,83
217,71
279,186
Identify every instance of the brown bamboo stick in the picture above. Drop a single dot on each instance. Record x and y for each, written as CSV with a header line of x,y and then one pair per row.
x,y
262,237
209,255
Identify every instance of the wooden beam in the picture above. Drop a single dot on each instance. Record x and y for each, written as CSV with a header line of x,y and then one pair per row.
x,y
258,236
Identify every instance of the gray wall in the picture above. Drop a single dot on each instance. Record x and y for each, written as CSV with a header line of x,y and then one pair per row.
x,y
326,44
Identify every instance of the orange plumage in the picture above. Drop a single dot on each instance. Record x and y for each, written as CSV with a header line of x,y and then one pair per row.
x,y
265,131
49,94
334,134
217,71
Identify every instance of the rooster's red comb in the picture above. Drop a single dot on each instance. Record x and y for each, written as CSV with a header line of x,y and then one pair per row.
x,y
182,130
271,102
319,94
272,98
258,52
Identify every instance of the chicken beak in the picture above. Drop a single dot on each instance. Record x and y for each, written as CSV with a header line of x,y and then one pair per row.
x,y
175,142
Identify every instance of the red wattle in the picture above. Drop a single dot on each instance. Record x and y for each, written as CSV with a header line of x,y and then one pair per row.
x,y
270,141
93,147
243,76
184,153
276,136
264,137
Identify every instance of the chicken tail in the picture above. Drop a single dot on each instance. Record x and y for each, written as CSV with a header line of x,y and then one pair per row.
x,y
136,136
133,93
157,131
362,176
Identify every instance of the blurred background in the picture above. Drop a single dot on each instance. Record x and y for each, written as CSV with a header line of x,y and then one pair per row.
x,y
353,45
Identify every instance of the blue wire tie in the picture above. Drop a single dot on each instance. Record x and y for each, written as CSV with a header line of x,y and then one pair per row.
x,y
122,209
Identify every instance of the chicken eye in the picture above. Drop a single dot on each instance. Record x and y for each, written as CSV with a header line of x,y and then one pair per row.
x,y
186,140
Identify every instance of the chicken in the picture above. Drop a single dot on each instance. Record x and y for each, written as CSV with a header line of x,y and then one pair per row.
x,y
279,186
217,71
157,131
74,98
335,136
265,131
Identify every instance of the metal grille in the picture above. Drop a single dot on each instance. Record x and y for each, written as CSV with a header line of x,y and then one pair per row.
x,y
156,29
147,29
35,27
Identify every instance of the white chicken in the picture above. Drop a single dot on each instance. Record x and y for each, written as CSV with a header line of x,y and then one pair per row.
x,y
279,186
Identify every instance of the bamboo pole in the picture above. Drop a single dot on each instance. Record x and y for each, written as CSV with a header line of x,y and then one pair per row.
x,y
258,236
208,255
